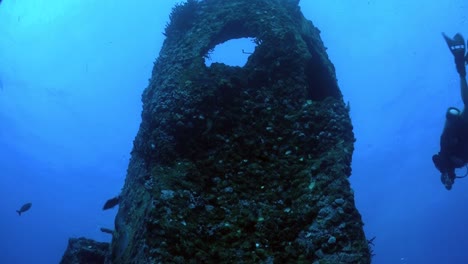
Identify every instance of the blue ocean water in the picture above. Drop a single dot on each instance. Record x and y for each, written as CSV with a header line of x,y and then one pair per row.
x,y
71,77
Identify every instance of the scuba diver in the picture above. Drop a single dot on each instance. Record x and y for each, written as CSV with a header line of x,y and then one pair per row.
x,y
454,139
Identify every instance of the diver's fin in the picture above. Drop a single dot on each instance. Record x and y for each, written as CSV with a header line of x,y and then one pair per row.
x,y
455,44
458,48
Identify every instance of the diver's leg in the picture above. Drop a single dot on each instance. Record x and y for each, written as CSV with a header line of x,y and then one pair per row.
x,y
464,91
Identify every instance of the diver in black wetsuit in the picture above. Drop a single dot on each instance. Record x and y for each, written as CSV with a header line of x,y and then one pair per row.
x,y
454,139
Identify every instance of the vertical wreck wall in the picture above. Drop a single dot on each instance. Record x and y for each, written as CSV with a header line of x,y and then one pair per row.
x,y
241,164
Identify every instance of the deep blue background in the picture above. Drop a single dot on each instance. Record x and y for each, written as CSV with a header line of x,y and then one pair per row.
x,y
71,77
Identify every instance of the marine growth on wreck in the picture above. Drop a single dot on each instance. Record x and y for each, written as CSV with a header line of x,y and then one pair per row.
x,y
241,164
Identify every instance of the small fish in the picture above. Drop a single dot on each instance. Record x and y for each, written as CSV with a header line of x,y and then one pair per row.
x,y
111,203
107,230
24,208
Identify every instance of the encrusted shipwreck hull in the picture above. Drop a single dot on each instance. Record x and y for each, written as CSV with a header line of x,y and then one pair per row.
x,y
241,164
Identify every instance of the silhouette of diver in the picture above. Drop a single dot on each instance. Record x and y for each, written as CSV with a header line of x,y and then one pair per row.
x,y
454,139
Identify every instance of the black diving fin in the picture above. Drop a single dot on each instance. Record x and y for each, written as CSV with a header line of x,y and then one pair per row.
x,y
455,44
458,48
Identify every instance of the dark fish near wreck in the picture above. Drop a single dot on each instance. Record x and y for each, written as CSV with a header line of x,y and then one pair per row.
x,y
24,208
111,203
107,230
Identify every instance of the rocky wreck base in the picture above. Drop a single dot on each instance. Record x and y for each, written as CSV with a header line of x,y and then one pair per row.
x,y
85,251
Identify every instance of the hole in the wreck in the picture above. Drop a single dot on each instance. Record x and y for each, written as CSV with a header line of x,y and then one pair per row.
x,y
234,52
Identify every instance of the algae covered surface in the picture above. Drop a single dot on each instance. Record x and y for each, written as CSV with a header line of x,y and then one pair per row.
x,y
241,164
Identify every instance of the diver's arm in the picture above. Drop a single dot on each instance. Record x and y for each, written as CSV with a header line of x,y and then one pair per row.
x,y
464,90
